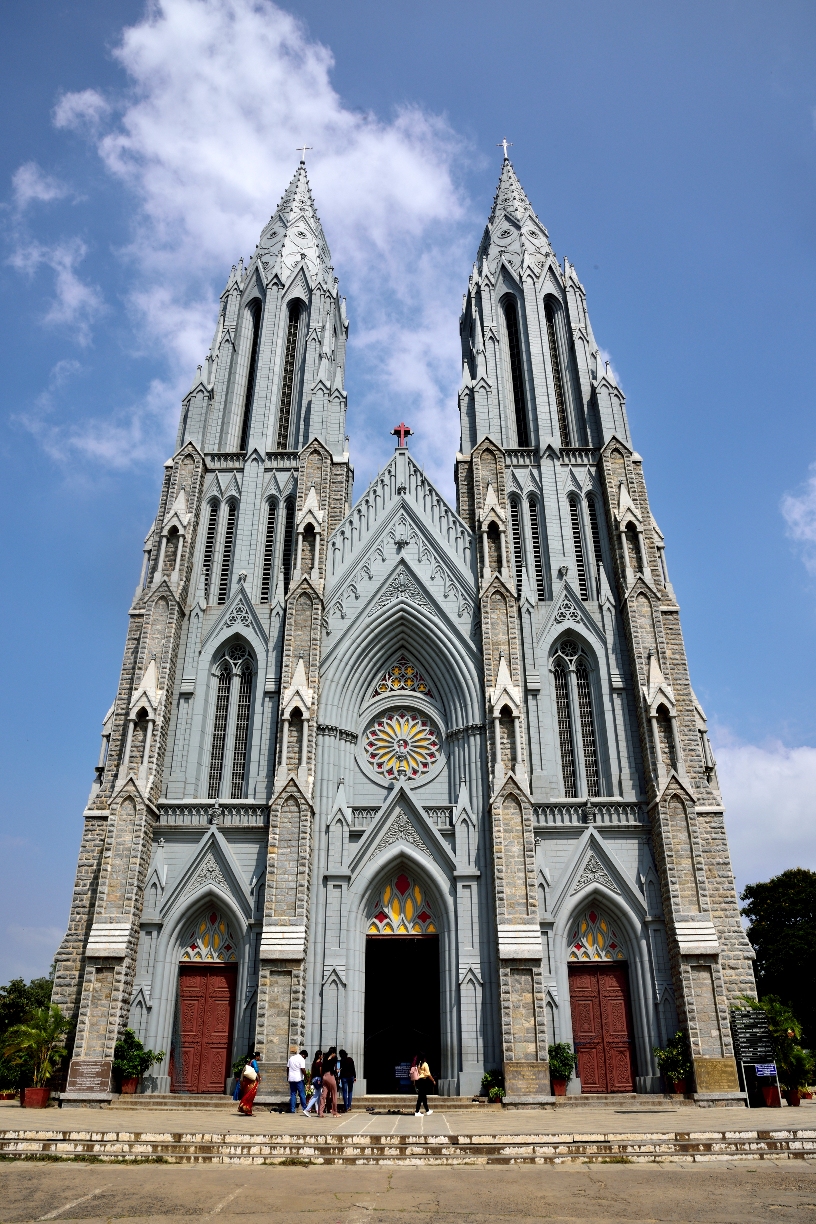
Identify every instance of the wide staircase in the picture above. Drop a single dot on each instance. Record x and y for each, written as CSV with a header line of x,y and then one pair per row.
x,y
173,1102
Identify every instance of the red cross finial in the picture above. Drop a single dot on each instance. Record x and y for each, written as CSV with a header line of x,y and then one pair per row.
x,y
402,431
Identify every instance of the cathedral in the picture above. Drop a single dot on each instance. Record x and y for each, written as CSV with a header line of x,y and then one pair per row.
x,y
390,775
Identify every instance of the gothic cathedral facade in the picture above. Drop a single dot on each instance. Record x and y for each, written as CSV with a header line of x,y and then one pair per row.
x,y
389,775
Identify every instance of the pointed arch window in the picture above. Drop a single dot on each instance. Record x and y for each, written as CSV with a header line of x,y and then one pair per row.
x,y
578,545
402,907
596,538
209,547
577,732
538,563
558,382
511,320
633,549
253,317
288,376
518,553
269,551
226,553
231,722
594,938
288,544
210,939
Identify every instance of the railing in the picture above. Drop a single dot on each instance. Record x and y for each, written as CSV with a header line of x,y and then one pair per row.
x,y
281,459
440,815
579,454
521,456
589,811
225,461
225,815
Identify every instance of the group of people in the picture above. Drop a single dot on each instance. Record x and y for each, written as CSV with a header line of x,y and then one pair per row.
x,y
328,1070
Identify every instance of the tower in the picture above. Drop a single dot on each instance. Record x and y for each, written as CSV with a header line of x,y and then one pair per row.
x,y
363,753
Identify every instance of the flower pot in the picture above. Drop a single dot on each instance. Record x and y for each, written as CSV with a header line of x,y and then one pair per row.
x,y
678,1087
806,1096
793,1096
770,1094
7,1096
130,1084
36,1098
559,1086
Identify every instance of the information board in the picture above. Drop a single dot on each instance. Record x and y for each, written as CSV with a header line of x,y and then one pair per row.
x,y
752,1036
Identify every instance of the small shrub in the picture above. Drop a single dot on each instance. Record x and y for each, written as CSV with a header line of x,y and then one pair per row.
x,y
675,1060
130,1059
563,1060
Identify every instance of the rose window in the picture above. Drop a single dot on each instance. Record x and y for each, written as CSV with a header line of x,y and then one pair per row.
x,y
210,940
403,675
402,909
593,938
402,745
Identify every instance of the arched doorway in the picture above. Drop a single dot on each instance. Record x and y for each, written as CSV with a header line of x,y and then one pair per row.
x,y
205,1011
599,1004
402,983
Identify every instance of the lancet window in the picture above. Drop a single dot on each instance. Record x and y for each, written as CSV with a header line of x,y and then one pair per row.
x,y
226,553
209,546
578,546
538,563
231,722
596,538
516,371
269,552
253,317
288,544
518,553
288,378
558,382
402,908
594,938
577,734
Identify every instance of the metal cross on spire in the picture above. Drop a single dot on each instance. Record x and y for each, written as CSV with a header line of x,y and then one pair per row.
x,y
503,144
402,431
303,150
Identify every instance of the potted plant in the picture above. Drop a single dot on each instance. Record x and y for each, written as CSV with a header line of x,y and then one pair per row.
x,y
131,1060
493,1086
39,1039
796,1072
563,1061
675,1061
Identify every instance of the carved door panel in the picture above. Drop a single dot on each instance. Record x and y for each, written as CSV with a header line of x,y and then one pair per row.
x,y
617,1030
585,1006
206,1016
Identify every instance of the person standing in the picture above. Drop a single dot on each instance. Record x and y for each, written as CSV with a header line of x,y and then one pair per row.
x,y
250,1083
328,1099
295,1069
348,1075
423,1081
317,1083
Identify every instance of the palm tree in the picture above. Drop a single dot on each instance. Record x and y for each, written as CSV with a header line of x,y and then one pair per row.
x,y
40,1036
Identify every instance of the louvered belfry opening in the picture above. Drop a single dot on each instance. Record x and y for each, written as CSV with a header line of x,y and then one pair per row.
x,y
578,544
288,544
254,314
268,553
209,547
288,381
518,554
226,555
558,382
516,371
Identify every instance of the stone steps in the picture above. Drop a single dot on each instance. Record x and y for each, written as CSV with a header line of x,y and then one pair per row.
x,y
174,1102
180,1148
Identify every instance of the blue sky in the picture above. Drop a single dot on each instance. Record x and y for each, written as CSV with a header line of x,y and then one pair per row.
x,y
669,149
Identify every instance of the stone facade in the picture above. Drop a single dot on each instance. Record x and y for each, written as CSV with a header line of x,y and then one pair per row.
x,y
337,722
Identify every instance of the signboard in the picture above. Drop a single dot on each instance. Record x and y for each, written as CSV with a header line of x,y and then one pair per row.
x,y
752,1037
401,1071
765,1068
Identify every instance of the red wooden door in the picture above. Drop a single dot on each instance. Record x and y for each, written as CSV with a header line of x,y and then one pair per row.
x,y
206,1015
601,1027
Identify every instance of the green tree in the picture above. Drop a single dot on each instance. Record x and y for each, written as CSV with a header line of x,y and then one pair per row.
x,y
38,1039
17,1002
782,930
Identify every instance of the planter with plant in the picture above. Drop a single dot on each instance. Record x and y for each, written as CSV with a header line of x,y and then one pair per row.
x,y
39,1041
131,1061
493,1086
675,1062
795,1066
563,1061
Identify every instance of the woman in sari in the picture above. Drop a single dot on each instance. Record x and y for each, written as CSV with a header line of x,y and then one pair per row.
x,y
250,1082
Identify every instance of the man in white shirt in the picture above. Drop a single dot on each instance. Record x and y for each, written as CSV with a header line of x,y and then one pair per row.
x,y
296,1067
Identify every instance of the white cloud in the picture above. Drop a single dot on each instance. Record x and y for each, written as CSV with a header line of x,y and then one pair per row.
x,y
73,302
222,92
80,111
769,793
30,183
799,513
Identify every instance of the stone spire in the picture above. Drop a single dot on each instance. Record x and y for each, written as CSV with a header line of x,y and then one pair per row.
x,y
294,233
510,197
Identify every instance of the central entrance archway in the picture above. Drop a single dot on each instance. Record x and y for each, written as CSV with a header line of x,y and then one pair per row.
x,y
402,985
599,1003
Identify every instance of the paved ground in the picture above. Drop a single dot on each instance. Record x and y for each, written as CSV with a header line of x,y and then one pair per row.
x,y
481,1121
581,1194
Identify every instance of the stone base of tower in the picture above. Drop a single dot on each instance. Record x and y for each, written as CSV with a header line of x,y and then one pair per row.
x,y
716,1075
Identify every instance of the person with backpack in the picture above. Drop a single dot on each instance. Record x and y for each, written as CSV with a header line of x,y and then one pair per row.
x,y
348,1074
420,1075
317,1083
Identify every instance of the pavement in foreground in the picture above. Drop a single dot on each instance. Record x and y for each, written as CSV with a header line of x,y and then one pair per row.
x,y
581,1194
